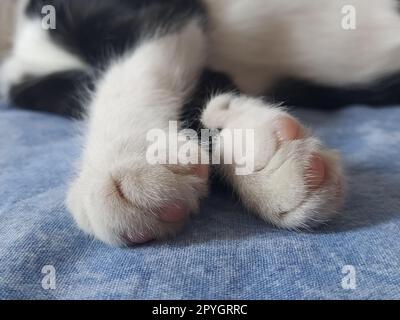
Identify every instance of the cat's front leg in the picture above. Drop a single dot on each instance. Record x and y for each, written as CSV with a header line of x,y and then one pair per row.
x,y
117,196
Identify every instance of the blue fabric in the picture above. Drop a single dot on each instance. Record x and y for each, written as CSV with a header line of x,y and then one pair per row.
x,y
224,253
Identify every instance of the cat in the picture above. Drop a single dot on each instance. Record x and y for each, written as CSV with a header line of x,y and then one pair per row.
x,y
130,66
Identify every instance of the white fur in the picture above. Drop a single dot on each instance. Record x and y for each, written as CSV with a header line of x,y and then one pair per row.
x,y
260,41
278,191
33,53
143,91
227,112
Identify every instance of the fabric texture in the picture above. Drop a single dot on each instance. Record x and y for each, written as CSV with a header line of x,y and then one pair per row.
x,y
224,253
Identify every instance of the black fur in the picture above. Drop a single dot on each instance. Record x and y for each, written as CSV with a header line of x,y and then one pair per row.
x,y
210,83
97,30
63,93
300,93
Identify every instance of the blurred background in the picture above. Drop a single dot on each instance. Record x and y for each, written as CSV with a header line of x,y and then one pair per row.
x,y
7,9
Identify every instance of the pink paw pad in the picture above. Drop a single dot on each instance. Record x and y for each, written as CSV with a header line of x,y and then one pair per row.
x,y
174,213
288,129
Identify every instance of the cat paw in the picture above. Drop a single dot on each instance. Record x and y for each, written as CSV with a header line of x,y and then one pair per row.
x,y
296,182
133,202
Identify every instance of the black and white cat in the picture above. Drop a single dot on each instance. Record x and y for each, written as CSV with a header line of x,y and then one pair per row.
x,y
135,65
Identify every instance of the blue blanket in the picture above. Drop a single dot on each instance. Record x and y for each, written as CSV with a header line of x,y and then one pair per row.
x,y
224,253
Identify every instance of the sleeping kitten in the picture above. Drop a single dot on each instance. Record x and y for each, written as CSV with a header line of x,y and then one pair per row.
x,y
130,66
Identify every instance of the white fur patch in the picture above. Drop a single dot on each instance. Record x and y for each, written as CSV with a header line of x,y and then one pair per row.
x,y
34,54
260,41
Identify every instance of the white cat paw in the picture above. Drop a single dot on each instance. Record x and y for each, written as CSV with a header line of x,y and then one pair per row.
x,y
296,182
133,202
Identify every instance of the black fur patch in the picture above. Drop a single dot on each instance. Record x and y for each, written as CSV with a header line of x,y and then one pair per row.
x,y
299,93
97,30
62,93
